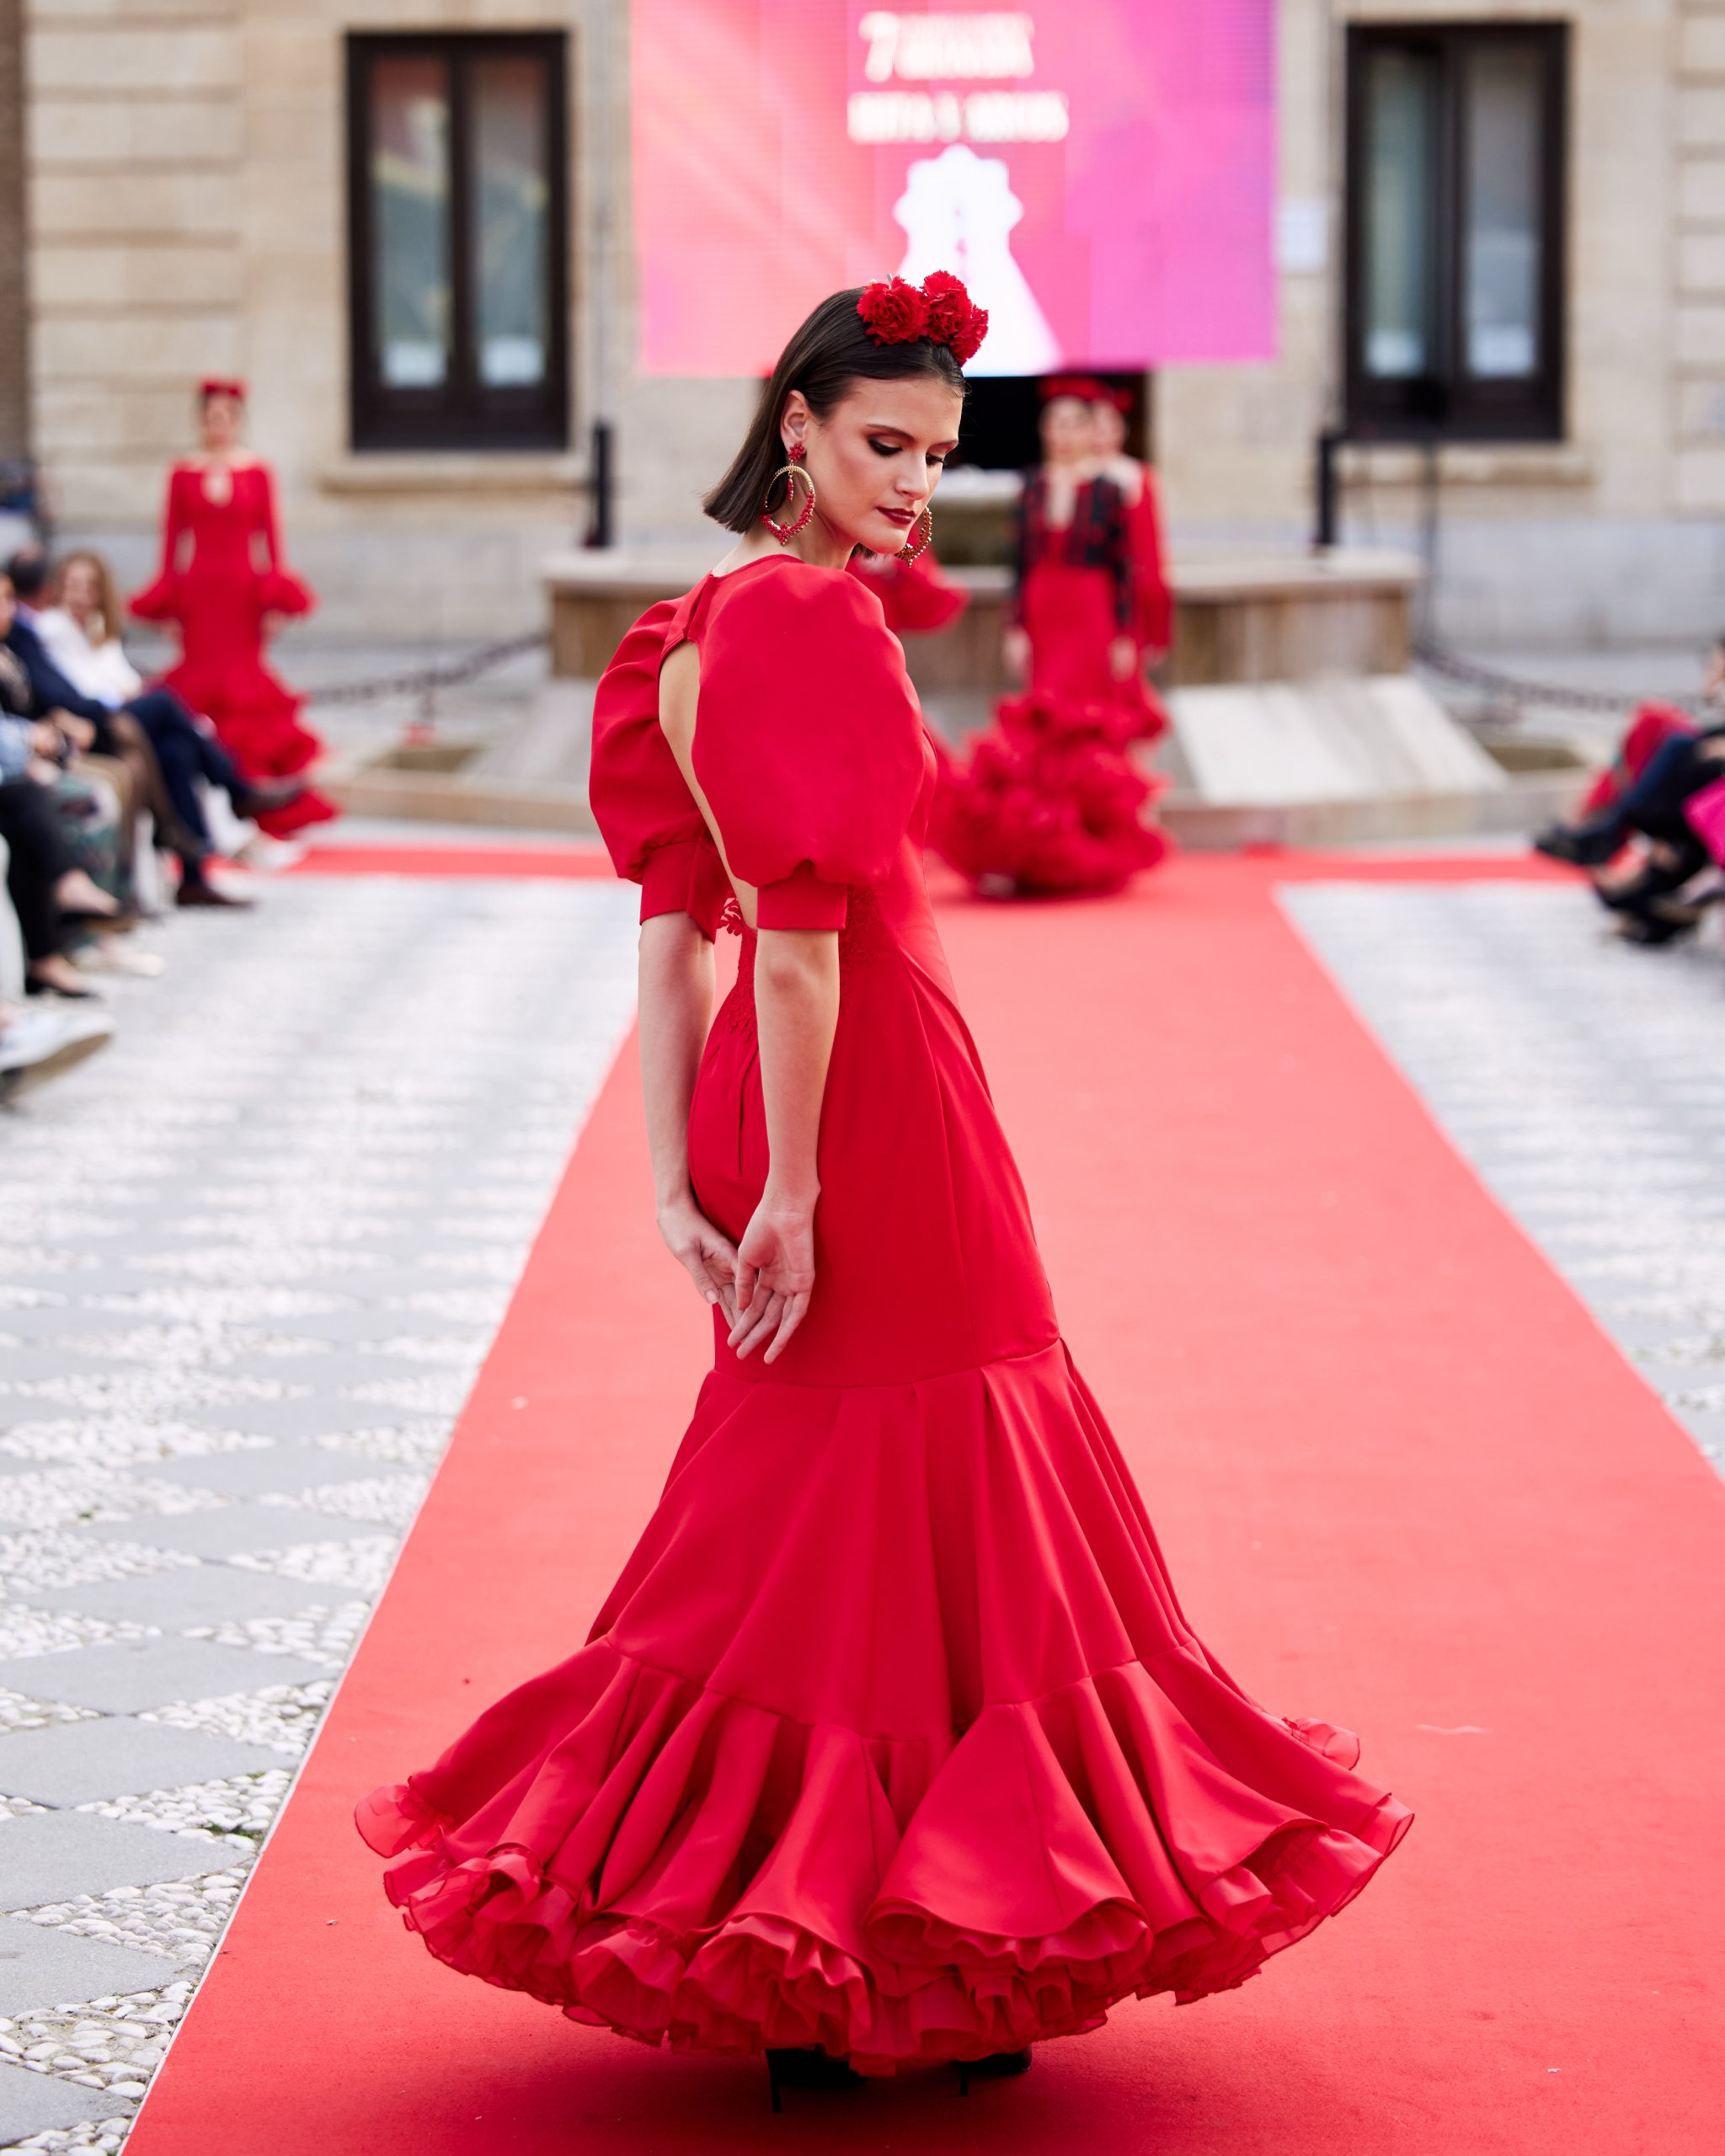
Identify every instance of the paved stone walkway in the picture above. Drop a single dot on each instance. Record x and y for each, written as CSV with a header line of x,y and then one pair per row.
x,y
252,1256
1584,1080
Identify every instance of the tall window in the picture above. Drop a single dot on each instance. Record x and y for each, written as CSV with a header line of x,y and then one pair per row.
x,y
457,188
1454,274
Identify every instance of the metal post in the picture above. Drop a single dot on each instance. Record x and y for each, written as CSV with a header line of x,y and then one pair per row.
x,y
603,27
599,521
1326,530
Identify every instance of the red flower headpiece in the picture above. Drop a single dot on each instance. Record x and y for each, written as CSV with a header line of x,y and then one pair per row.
x,y
218,385
1084,388
894,312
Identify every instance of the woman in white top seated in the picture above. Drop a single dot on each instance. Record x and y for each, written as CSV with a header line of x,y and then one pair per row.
x,y
81,632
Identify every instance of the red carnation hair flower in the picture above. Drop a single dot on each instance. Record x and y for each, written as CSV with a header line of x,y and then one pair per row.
x,y
965,346
1084,388
894,313
953,321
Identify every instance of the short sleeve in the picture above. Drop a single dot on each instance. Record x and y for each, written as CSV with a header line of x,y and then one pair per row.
x,y
652,828
808,740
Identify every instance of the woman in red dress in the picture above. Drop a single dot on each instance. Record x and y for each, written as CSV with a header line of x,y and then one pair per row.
x,y
1072,624
891,1743
222,581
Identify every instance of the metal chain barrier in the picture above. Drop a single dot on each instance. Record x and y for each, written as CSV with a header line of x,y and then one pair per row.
x,y
424,681
1513,692
1509,689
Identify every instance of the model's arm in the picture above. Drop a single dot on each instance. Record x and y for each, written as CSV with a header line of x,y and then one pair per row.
x,y
797,1009
675,1005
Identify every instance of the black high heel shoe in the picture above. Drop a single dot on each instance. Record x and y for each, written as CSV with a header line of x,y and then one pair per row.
x,y
811,2069
1578,846
998,2066
1657,877
1655,921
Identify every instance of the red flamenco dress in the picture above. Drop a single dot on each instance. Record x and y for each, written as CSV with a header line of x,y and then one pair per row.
x,y
891,1738
914,597
1050,801
221,573
1076,588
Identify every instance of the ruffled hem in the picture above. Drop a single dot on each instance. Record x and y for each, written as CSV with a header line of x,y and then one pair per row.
x,y
694,1869
1049,803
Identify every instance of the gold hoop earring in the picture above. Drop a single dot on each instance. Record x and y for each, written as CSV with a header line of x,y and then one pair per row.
x,y
790,474
908,552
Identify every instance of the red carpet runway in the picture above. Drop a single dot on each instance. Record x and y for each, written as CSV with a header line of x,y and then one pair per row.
x,y
1401,1481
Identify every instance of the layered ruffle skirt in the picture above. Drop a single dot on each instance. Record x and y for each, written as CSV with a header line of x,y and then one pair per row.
x,y
893,1740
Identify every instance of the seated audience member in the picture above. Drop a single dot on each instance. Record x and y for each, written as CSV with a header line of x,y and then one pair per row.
x,y
1646,797
1653,725
51,894
185,752
78,634
80,631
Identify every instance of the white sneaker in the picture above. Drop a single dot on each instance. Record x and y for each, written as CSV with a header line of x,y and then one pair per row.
x,y
268,857
36,1043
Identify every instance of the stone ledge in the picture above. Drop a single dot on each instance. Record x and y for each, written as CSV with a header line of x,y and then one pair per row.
x,y
456,472
1471,464
461,797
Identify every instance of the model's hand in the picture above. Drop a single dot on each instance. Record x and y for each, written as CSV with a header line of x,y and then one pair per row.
x,y
1123,659
775,1275
1015,649
704,1254
271,622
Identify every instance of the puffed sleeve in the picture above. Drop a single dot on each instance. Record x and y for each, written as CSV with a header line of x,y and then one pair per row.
x,y
651,826
808,740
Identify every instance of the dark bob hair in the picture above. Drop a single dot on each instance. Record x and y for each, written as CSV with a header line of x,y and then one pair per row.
x,y
831,352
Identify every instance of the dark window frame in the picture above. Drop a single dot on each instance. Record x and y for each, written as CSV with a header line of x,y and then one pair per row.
x,y
1446,402
462,413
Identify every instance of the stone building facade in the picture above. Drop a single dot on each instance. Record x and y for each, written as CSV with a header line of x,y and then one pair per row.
x,y
181,207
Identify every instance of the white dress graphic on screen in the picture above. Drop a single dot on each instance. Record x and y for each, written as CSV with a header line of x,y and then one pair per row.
x,y
957,211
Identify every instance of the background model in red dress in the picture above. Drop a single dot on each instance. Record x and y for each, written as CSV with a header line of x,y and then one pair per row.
x,y
1076,594
221,576
892,1737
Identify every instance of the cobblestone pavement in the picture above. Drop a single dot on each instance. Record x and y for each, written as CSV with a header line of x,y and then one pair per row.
x,y
252,1256
1581,1079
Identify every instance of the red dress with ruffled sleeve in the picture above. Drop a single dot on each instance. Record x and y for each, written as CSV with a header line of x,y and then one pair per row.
x,y
891,1737
221,573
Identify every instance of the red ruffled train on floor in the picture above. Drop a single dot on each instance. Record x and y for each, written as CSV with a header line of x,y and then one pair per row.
x,y
660,1854
1050,801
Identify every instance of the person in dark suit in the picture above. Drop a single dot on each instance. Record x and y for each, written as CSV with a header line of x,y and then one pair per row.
x,y
184,751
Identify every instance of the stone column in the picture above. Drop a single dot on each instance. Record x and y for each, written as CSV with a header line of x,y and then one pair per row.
x,y
14,326
1700,258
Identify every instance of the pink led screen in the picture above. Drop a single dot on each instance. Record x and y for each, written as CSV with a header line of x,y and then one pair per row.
x,y
1100,171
